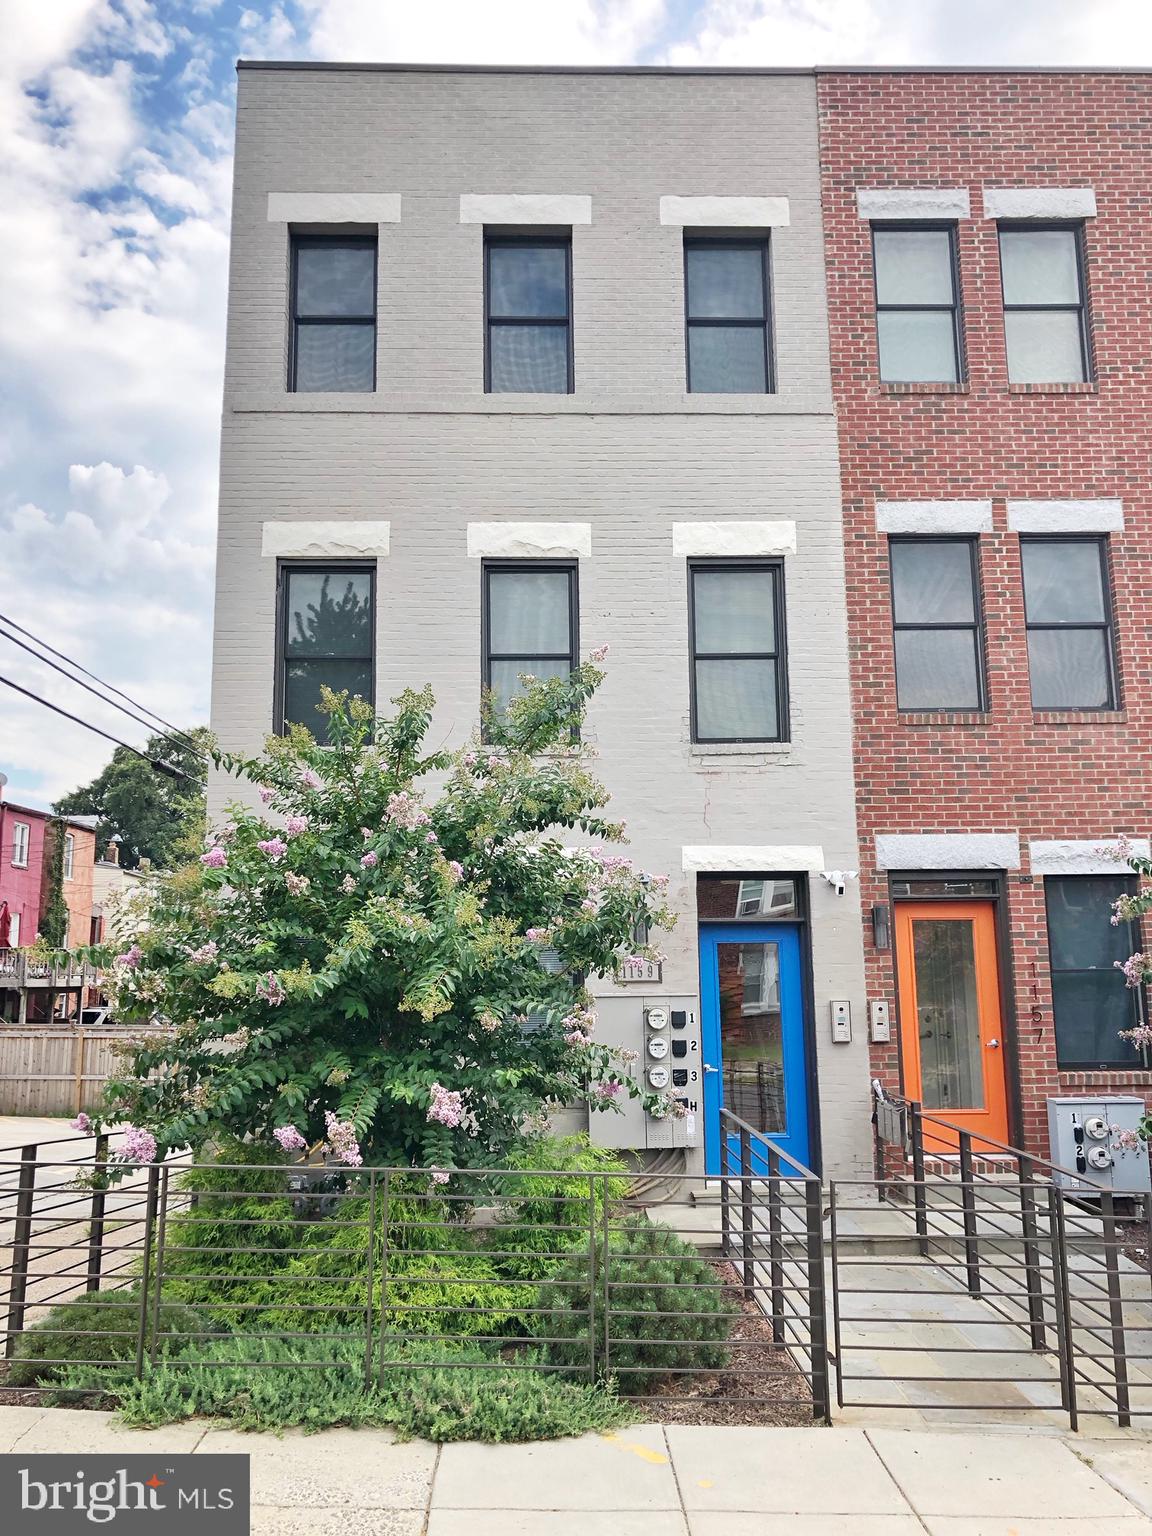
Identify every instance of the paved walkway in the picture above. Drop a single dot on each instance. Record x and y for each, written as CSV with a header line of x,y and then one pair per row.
x,y
658,1481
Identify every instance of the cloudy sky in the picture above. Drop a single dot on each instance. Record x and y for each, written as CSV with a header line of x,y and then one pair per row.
x,y
115,143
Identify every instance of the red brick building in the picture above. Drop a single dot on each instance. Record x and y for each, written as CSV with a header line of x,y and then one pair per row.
x,y
989,257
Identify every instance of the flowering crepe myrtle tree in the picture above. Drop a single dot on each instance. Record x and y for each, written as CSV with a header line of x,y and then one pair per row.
x,y
359,966
1138,967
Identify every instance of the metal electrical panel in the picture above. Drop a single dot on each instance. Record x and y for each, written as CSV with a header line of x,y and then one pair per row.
x,y
1091,1137
664,1032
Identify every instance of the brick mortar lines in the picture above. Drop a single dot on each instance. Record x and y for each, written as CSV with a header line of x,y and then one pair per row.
x,y
1042,777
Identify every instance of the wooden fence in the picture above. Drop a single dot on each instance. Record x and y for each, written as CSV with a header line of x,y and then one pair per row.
x,y
55,1070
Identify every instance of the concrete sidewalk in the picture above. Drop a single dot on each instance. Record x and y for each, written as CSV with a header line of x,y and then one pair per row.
x,y
656,1480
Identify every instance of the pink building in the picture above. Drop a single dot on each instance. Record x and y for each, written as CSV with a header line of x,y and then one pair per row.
x,y
24,874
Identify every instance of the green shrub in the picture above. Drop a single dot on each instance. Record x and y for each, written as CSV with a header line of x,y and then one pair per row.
x,y
543,1214
98,1329
650,1272
438,1279
206,1262
316,1384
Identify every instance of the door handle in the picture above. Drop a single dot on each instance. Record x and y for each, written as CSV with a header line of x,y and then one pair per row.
x,y
993,1045
708,1067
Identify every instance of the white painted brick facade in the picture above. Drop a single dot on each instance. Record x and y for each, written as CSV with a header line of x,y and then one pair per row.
x,y
629,453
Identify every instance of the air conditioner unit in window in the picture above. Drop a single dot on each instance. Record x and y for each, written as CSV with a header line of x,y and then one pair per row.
x,y
1093,1138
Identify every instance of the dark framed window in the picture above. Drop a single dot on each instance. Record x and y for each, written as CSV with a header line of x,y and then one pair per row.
x,y
917,303
333,346
1045,325
726,314
530,624
736,627
327,637
528,315
1091,1002
936,623
1068,613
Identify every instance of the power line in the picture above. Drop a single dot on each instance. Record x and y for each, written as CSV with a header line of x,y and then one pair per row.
x,y
178,736
158,763
166,724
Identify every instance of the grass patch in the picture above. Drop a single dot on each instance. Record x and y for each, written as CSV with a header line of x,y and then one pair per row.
x,y
318,1383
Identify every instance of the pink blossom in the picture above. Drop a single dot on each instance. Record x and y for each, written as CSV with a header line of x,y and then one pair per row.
x,y
608,1088
297,884
469,759
431,838
537,935
447,1107
342,1144
205,954
588,905
600,653
289,1138
81,1122
406,811
1140,1037
295,825
131,958
1134,968
215,858
310,778
348,884
138,1147
439,1175
267,794
274,847
271,990
1124,1140
493,761
365,833
370,860
489,1022
456,869
577,1037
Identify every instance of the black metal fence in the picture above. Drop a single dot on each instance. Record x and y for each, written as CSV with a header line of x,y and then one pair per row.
x,y
686,1293
971,1275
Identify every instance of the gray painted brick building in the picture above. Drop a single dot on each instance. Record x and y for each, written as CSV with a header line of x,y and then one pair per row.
x,y
392,414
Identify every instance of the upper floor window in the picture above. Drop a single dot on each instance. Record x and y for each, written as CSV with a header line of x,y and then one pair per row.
x,y
528,299
20,838
738,663
1042,272
917,309
726,300
69,855
1068,614
326,638
936,619
333,315
1091,1002
530,626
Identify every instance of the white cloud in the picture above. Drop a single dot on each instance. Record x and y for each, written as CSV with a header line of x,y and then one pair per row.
x,y
806,32
503,32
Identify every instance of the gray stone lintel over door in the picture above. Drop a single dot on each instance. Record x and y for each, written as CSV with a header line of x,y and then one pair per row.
x,y
627,455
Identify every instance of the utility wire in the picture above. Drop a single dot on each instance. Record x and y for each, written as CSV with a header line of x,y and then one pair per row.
x,y
177,736
168,769
166,724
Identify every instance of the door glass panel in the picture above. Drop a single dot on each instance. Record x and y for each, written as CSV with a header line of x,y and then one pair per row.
x,y
947,1014
751,1040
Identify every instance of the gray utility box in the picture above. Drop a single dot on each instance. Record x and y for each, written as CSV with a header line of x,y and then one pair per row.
x,y
664,1031
1086,1136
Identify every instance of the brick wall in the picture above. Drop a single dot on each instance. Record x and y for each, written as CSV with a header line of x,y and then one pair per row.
x,y
1045,776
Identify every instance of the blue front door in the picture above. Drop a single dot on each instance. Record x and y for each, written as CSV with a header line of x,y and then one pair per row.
x,y
752,1018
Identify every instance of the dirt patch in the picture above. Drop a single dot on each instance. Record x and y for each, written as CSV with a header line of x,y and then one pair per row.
x,y
1136,1240
761,1386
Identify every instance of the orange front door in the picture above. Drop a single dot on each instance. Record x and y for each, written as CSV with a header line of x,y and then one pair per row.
x,y
951,1026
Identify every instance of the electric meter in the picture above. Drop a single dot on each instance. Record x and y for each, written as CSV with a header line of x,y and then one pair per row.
x,y
656,1018
1096,1127
658,1077
1098,1157
658,1047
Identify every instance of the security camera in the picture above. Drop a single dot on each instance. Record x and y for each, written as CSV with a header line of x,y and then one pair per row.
x,y
838,878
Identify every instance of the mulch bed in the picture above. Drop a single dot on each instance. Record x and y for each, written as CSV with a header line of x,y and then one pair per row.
x,y
775,1391
1137,1239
